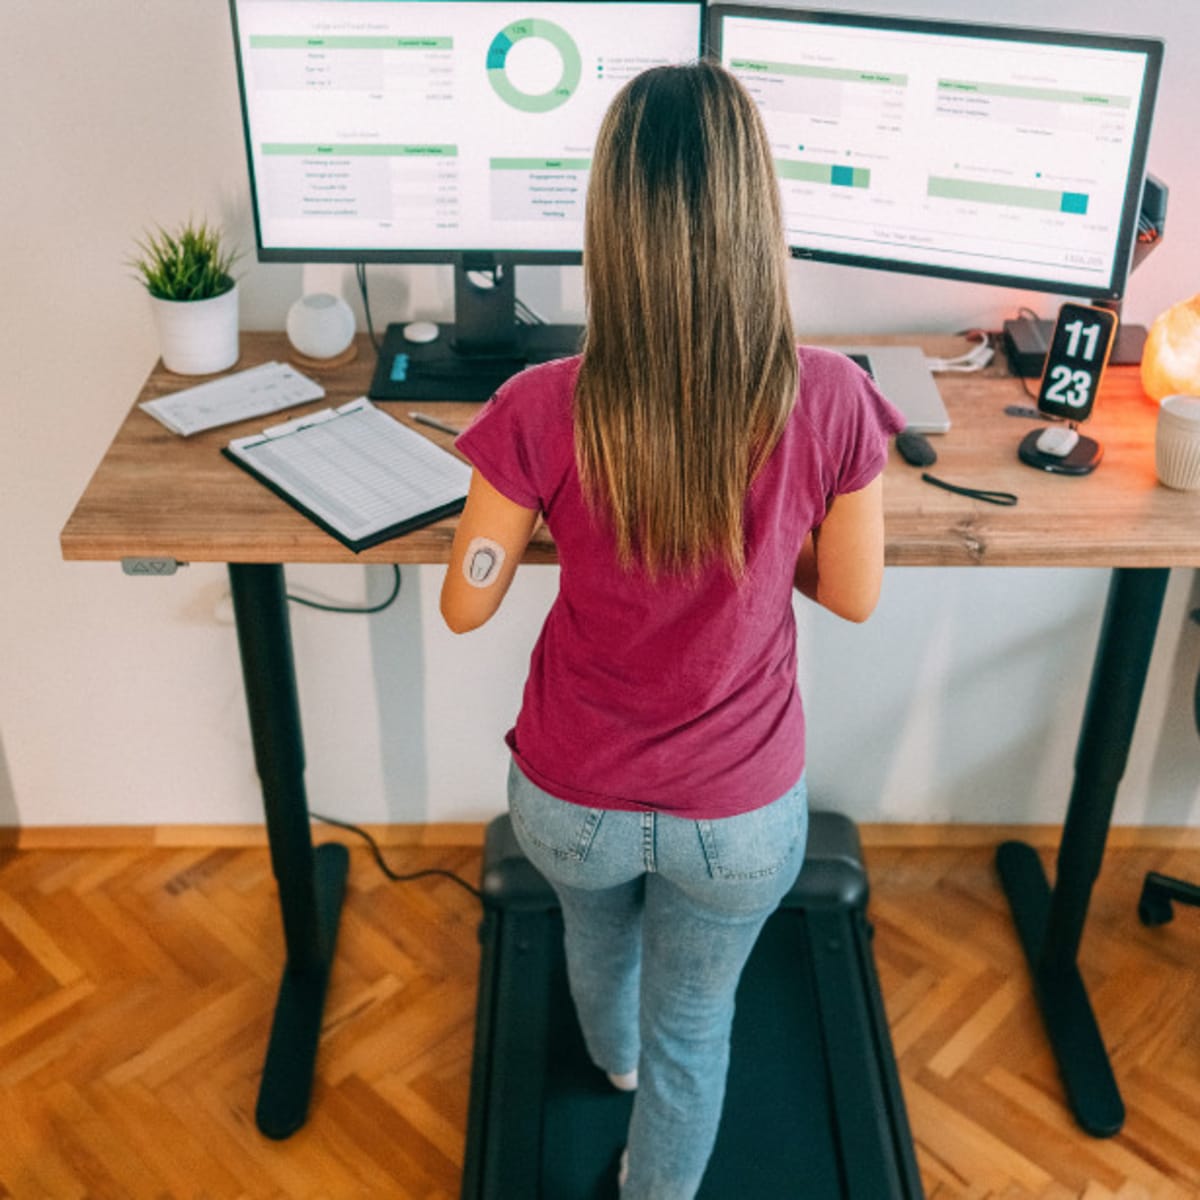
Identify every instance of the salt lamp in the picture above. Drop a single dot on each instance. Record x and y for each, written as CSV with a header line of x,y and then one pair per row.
x,y
1171,357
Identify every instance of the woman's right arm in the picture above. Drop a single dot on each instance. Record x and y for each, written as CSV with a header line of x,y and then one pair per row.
x,y
841,563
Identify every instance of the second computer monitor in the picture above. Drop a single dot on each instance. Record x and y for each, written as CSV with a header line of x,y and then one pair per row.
x,y
988,153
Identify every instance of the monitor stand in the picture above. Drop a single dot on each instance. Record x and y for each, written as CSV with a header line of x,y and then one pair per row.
x,y
473,356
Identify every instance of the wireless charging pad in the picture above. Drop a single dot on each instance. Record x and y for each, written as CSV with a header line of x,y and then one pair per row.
x,y
1082,459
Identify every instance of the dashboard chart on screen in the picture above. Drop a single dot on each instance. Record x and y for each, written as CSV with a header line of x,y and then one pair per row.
x,y
984,151
434,125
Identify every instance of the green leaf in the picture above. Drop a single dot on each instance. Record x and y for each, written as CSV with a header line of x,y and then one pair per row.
x,y
189,263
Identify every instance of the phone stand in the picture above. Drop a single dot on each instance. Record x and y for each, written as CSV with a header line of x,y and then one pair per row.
x,y
1081,459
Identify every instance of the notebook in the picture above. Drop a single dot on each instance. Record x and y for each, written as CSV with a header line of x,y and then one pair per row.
x,y
254,392
358,473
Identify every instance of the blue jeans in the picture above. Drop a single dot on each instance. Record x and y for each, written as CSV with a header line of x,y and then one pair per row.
x,y
661,914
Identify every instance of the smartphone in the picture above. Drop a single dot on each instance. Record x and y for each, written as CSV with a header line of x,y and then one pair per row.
x,y
1079,350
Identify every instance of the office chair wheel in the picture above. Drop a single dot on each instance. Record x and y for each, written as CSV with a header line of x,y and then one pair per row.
x,y
1154,909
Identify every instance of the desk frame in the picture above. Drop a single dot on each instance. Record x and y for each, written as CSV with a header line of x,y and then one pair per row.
x,y
154,495
1050,922
312,883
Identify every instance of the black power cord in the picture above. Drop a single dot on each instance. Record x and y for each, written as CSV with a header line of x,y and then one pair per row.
x,y
360,273
362,833
1196,695
358,611
525,314
1029,314
395,876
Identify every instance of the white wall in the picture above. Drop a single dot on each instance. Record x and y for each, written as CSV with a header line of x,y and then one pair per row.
x,y
120,699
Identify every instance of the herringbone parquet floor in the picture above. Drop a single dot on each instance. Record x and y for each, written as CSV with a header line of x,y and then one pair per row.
x,y
137,986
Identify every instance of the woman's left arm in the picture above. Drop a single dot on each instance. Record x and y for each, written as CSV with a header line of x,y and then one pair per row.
x,y
491,538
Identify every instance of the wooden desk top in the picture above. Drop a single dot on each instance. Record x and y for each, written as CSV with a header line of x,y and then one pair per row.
x,y
155,494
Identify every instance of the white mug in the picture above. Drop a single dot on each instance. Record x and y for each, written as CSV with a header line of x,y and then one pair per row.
x,y
1177,442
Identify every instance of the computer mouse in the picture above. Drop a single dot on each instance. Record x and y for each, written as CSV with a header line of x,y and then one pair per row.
x,y
1057,440
421,331
915,448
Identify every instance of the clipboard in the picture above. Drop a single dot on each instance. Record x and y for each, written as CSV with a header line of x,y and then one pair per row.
x,y
359,474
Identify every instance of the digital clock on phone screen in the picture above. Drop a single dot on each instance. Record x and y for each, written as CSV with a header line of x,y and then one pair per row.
x,y
1083,338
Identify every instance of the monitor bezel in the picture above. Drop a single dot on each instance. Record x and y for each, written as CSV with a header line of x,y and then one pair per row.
x,y
480,257
1152,48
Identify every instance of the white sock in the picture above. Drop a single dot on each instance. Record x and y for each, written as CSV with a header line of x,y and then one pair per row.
x,y
624,1083
623,1173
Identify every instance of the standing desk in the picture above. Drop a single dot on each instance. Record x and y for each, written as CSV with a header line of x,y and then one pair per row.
x,y
156,496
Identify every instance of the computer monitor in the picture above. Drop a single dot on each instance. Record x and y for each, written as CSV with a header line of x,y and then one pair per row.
x,y
455,131
986,153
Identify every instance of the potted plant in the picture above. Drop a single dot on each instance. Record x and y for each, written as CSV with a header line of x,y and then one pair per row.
x,y
194,297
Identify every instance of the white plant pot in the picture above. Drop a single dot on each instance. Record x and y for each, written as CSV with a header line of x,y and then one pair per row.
x,y
198,337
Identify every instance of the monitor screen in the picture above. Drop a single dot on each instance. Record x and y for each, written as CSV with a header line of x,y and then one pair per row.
x,y
988,153
413,130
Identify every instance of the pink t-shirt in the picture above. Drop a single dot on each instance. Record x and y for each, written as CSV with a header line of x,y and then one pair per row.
x,y
676,696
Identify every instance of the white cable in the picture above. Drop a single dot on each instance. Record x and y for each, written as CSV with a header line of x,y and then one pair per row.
x,y
974,359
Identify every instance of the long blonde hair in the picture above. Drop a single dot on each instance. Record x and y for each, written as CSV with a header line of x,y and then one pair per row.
x,y
689,366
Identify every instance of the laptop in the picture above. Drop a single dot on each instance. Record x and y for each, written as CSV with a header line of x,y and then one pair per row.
x,y
902,375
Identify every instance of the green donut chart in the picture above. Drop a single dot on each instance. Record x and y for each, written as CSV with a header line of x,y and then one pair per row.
x,y
560,39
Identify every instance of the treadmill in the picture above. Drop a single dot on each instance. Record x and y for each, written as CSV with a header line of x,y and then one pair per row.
x,y
813,1107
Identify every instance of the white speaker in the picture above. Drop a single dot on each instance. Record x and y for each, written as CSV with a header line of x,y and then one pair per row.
x,y
320,328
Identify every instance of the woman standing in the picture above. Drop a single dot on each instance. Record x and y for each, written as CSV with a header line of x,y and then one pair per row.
x,y
693,466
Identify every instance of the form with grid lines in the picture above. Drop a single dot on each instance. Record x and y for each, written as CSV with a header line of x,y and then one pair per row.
x,y
360,474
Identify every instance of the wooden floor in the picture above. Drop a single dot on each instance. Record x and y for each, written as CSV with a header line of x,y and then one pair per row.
x,y
137,986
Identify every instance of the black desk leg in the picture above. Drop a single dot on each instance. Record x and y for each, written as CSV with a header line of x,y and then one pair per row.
x,y
311,883
1050,923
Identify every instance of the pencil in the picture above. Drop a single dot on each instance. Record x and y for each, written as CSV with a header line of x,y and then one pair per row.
x,y
434,423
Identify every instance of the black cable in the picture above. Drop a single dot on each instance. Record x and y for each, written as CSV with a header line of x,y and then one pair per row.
x,y
393,875
360,273
1196,694
1025,311
1007,499
370,608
